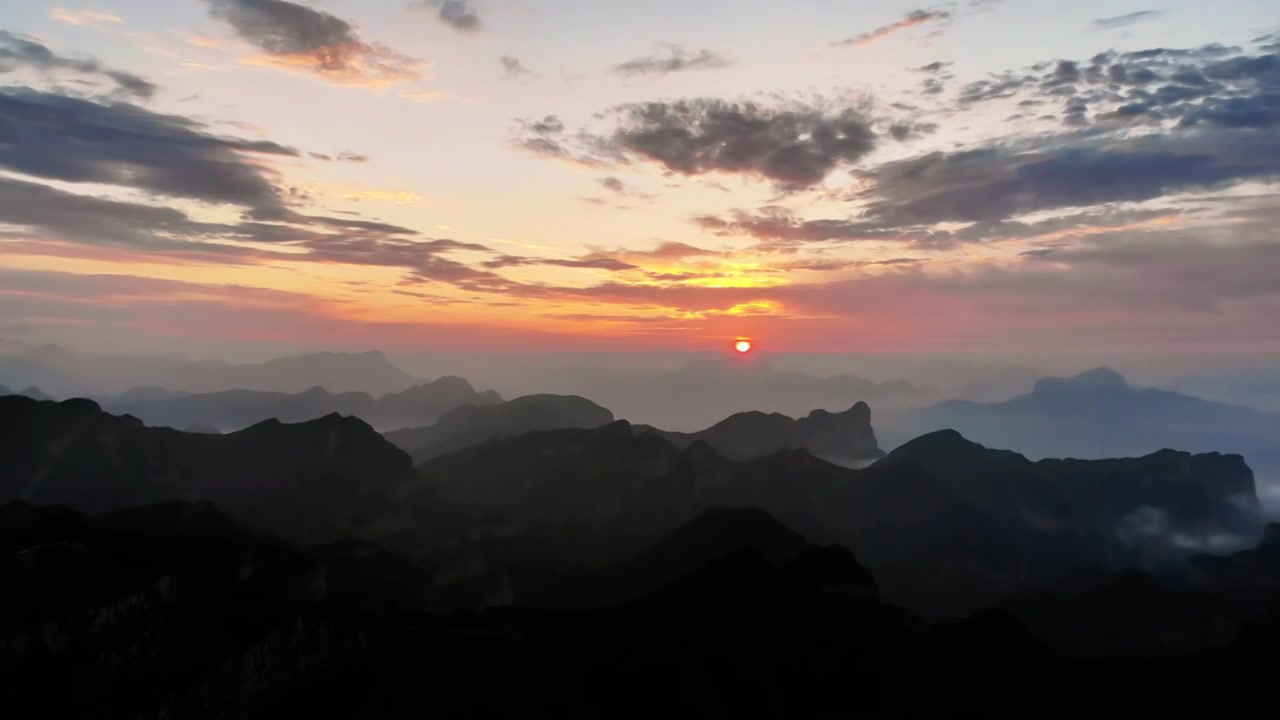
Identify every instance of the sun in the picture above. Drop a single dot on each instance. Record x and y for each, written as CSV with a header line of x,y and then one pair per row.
x,y
742,346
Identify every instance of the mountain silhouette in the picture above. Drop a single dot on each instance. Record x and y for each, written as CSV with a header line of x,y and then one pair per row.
x,y
236,409
304,480
840,437
1099,414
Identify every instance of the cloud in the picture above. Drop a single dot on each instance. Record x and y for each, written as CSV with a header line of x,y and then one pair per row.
x,y
81,141
513,68
296,37
917,17
621,189
49,212
457,14
1126,19
17,52
997,182
794,147
679,60
423,95
592,263
91,18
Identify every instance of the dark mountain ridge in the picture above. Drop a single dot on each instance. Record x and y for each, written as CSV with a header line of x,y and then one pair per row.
x,y
947,525
843,437
312,478
471,425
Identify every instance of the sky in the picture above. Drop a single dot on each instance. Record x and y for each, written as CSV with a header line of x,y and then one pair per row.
x,y
821,176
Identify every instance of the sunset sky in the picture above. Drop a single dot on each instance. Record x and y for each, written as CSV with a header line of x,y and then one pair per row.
x,y
818,175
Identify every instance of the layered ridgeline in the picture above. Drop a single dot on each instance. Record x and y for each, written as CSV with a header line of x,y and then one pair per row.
x,y
68,373
466,426
843,437
946,525
235,409
1099,414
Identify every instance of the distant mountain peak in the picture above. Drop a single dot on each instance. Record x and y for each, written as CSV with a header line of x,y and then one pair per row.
x,y
860,410
1102,378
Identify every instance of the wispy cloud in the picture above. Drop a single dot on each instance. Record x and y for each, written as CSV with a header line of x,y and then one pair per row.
x,y
92,18
460,15
1127,19
514,69
17,51
678,60
917,17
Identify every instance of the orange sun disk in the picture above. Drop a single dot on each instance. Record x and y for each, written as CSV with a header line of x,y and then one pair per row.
x,y
742,346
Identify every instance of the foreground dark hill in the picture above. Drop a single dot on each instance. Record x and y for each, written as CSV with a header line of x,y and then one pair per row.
x,y
841,437
1098,414
177,611
236,409
467,426
172,610
322,477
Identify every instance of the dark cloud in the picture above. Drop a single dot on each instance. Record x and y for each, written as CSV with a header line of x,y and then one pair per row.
x,y
1126,19
917,17
460,15
793,147
617,187
514,68
18,52
593,263
679,60
1211,85
352,157
903,131
937,78
76,140
297,37
47,212
778,227
999,182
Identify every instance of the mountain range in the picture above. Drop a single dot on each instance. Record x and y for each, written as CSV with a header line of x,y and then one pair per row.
x,y
68,373
236,409
939,517
1098,414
